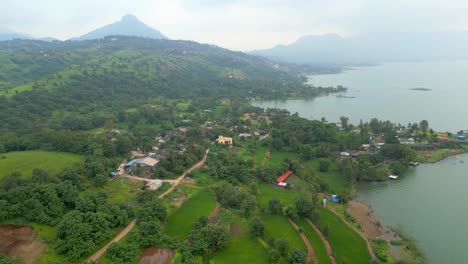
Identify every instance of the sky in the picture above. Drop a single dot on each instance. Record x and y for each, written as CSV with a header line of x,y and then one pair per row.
x,y
237,24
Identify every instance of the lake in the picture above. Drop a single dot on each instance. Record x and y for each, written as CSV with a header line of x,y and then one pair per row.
x,y
429,203
384,92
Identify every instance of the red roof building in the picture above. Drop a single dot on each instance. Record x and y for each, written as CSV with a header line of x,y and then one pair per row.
x,y
442,138
284,176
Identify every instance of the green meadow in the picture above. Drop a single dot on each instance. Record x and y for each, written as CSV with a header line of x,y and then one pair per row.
x,y
180,222
25,162
278,226
347,245
242,247
315,241
267,192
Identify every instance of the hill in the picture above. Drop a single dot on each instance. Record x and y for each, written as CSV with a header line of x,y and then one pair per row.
x,y
6,34
371,48
82,85
129,25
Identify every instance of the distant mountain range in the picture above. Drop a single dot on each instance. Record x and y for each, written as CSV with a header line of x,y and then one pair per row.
x,y
129,25
371,48
6,34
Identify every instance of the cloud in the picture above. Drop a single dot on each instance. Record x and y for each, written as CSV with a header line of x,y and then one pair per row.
x,y
237,24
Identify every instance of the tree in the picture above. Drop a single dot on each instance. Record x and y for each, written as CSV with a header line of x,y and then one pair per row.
x,y
344,122
304,207
274,256
257,228
297,256
283,246
275,206
122,252
324,164
40,176
424,125
152,211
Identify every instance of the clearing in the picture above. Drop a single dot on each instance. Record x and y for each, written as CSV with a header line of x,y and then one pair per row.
x,y
25,162
242,247
181,221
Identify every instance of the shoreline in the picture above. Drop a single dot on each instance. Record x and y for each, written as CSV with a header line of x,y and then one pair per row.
x,y
448,156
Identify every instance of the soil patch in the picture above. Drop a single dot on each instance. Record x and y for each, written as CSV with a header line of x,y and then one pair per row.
x,y
363,215
20,243
235,230
156,255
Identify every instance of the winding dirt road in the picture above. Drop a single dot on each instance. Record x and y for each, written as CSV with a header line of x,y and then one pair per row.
x,y
310,249
132,224
324,241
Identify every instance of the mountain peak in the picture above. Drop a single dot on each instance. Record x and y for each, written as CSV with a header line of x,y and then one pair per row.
x,y
129,18
129,25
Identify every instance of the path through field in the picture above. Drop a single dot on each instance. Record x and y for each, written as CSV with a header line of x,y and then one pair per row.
x,y
132,224
324,241
310,250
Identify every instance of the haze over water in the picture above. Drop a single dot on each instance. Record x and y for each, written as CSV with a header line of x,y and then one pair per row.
x,y
429,203
384,92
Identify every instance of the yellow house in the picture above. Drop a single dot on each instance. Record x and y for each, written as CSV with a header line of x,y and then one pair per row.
x,y
224,140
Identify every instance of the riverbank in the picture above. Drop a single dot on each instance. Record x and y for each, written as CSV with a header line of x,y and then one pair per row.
x,y
387,242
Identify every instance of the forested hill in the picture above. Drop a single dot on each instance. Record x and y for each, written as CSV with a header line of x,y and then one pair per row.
x,y
175,68
79,86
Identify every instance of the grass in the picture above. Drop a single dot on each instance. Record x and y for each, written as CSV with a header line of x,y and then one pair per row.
x,y
315,241
278,226
121,190
267,192
25,162
181,221
242,248
347,245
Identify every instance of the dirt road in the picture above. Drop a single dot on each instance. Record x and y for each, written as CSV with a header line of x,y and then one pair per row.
x,y
103,250
324,241
132,224
310,249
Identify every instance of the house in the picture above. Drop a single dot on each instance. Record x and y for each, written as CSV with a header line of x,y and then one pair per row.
x,y
345,154
154,184
282,185
440,138
283,177
224,140
244,135
143,165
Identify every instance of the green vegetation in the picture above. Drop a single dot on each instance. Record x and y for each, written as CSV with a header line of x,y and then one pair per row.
x,y
242,248
278,226
267,192
25,162
421,89
315,241
181,221
347,245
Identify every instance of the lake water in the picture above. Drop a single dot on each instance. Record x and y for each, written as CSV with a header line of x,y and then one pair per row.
x,y
384,92
430,203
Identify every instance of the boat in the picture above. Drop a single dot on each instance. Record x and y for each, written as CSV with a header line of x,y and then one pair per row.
x,y
414,163
393,177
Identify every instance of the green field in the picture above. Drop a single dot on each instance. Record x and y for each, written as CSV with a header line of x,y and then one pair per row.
x,y
242,247
335,180
346,244
278,226
181,221
315,241
25,162
275,157
267,192
121,190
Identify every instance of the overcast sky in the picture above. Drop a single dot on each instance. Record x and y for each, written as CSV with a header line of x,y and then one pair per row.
x,y
236,24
